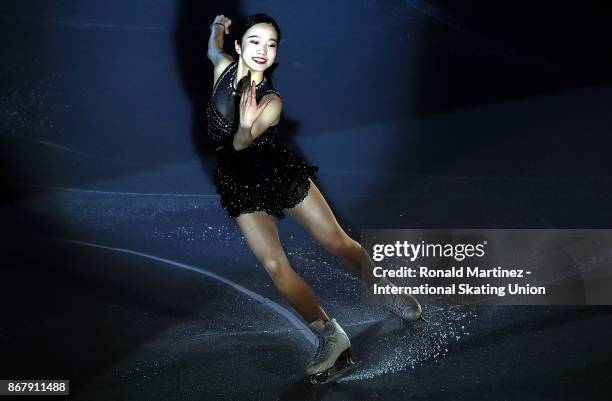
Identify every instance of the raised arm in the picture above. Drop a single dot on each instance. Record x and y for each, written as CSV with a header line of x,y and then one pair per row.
x,y
215,53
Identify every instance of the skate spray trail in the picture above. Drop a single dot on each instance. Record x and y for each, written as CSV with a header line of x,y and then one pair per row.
x,y
394,352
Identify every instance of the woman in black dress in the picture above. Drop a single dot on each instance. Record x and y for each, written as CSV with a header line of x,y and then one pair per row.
x,y
257,178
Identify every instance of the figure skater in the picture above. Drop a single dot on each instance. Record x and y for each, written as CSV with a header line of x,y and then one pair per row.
x,y
257,178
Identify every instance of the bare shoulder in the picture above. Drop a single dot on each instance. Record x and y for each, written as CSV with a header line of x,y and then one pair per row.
x,y
222,62
273,109
273,98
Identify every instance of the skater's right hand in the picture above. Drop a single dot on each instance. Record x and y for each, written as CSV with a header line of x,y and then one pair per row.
x,y
249,109
221,19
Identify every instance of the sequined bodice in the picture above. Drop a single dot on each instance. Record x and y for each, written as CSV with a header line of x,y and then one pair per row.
x,y
223,110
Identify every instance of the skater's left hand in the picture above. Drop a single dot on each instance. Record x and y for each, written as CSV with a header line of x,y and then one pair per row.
x,y
249,109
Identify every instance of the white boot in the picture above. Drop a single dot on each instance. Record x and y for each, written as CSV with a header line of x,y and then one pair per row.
x,y
405,306
333,344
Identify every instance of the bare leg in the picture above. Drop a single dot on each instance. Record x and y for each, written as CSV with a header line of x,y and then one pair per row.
x,y
261,234
316,216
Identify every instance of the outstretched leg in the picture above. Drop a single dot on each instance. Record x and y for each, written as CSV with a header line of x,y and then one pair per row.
x,y
261,234
316,216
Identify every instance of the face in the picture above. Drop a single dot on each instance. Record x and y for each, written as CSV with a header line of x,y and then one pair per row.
x,y
258,50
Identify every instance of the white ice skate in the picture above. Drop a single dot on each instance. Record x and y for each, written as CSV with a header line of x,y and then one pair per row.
x,y
333,357
404,306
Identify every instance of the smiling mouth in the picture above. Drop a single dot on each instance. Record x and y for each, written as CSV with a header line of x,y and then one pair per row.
x,y
259,60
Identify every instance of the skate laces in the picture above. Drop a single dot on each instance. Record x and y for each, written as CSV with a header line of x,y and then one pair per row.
x,y
325,343
322,348
402,308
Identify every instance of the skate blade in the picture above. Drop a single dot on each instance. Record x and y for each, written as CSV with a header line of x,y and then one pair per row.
x,y
334,372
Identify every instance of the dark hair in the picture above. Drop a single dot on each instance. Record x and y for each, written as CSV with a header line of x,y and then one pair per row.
x,y
254,19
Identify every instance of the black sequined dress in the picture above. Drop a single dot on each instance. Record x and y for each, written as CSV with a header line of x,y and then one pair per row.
x,y
265,176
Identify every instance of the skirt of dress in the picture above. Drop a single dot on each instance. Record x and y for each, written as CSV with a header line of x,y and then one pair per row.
x,y
269,179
